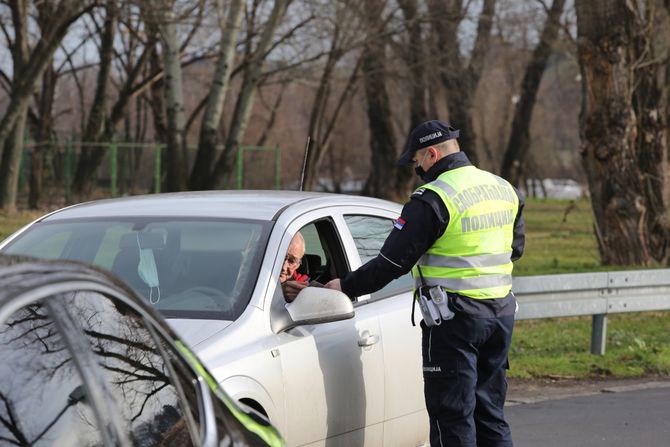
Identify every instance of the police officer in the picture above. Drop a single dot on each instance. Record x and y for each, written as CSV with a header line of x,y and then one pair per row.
x,y
459,234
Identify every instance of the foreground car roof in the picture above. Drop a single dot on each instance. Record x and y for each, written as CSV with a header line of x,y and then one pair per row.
x,y
260,205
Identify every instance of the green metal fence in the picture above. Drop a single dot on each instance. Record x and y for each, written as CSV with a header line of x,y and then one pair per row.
x,y
276,164
65,154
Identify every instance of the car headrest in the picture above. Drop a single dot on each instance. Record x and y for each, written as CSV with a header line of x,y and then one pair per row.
x,y
146,240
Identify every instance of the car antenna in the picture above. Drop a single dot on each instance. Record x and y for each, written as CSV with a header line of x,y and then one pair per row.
x,y
304,163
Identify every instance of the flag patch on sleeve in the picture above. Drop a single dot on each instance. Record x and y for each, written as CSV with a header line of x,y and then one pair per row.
x,y
399,223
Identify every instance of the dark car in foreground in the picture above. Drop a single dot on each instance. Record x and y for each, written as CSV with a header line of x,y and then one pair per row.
x,y
86,363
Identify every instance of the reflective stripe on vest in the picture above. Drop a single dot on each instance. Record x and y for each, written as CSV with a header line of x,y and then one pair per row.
x,y
473,255
463,284
461,262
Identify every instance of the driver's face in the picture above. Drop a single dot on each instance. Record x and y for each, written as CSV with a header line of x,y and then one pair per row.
x,y
292,260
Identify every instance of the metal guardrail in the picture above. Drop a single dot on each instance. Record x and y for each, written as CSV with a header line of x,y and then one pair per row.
x,y
597,294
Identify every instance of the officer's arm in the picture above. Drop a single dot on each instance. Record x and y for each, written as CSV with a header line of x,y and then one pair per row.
x,y
519,241
403,246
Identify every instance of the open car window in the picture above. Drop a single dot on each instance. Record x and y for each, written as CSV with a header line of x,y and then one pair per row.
x,y
324,257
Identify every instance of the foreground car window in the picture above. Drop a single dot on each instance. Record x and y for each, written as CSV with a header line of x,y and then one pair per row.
x,y
369,233
185,268
148,396
43,399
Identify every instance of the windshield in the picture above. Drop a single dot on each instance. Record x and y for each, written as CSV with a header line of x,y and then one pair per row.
x,y
203,268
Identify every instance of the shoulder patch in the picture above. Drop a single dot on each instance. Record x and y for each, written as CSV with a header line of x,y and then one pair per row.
x,y
419,192
399,223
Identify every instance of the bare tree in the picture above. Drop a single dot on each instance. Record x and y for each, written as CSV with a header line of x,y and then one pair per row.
x,y
29,64
461,78
623,127
103,117
245,99
95,125
209,131
415,59
41,124
519,140
416,63
344,38
383,145
174,98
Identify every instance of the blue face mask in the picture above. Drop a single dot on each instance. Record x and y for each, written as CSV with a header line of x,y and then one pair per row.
x,y
147,271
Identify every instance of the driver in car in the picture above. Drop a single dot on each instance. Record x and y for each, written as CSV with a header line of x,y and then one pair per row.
x,y
291,281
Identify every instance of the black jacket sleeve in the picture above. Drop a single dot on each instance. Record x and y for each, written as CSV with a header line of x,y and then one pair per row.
x,y
425,218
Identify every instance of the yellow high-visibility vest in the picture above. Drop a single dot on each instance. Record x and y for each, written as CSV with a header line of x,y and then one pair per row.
x,y
473,256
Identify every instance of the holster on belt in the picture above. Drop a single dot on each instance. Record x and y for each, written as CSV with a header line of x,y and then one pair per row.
x,y
433,304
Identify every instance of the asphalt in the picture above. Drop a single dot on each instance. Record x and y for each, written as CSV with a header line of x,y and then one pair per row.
x,y
615,413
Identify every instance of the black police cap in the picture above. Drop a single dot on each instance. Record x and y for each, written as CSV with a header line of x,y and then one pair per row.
x,y
427,134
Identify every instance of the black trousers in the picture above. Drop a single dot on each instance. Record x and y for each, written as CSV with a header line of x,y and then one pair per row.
x,y
464,370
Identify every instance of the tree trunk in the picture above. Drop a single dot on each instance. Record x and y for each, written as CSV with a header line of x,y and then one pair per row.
x,y
381,181
25,79
174,100
316,116
323,119
209,132
11,161
418,107
460,80
43,131
224,165
623,131
519,140
91,156
25,76
321,128
13,145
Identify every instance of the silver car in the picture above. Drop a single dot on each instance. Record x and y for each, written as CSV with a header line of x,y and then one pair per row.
x,y
324,369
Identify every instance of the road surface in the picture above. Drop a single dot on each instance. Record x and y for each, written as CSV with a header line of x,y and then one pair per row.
x,y
631,416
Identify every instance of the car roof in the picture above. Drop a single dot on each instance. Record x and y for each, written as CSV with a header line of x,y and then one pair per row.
x,y
248,204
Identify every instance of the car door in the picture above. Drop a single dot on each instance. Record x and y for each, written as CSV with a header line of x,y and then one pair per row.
x,y
159,395
332,372
405,418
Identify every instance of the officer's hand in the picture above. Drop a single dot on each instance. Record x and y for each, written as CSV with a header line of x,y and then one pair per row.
x,y
291,289
334,284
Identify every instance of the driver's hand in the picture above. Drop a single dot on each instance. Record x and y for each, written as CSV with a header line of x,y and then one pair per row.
x,y
291,289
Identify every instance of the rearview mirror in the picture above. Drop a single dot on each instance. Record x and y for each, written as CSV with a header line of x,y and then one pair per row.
x,y
315,305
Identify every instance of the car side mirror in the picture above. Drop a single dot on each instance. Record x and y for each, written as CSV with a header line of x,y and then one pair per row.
x,y
315,305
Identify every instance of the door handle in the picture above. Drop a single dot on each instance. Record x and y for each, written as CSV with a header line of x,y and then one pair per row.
x,y
368,340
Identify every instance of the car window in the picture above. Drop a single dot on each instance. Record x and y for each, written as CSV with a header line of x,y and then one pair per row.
x,y
324,257
312,241
191,268
369,233
44,401
158,404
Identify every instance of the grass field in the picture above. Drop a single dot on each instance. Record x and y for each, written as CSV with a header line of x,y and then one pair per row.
x,y
559,240
10,222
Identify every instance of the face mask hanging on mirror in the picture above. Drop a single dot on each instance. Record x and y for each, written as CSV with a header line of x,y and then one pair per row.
x,y
146,269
